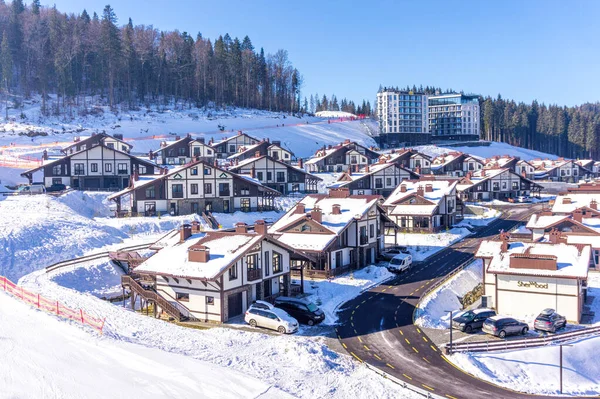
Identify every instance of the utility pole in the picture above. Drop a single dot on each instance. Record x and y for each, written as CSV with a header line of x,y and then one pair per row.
x,y
449,348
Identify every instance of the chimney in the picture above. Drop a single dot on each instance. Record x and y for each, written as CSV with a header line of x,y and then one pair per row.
x,y
276,142
253,172
216,163
482,172
150,155
429,188
239,132
300,208
260,227
163,144
347,141
237,161
341,192
195,226
420,191
418,170
316,214
336,209
577,215
504,237
329,147
300,163
76,139
136,175
257,154
403,188
201,140
594,204
189,135
198,253
367,169
554,236
241,228
523,173
177,138
45,155
566,200
185,231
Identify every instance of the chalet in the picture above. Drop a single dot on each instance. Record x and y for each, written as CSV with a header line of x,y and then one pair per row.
x,y
379,179
214,277
94,167
273,150
525,169
411,159
114,142
559,170
588,164
278,175
583,196
340,230
455,164
340,158
504,161
521,278
423,205
495,184
182,151
192,189
231,145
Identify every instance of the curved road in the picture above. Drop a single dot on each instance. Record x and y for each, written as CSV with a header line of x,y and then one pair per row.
x,y
377,326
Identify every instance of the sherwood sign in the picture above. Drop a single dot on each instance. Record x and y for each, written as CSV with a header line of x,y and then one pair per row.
x,y
532,284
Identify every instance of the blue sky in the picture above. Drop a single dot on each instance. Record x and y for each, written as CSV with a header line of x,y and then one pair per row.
x,y
545,50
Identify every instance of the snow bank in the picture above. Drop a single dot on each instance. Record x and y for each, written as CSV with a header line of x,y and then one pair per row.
x,y
330,294
432,311
423,245
82,365
536,371
484,217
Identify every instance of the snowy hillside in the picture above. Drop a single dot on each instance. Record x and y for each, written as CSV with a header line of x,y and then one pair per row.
x,y
486,151
79,364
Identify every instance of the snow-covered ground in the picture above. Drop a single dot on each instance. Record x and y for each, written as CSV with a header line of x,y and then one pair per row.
x,y
330,294
433,310
485,216
45,357
594,292
485,151
423,245
334,114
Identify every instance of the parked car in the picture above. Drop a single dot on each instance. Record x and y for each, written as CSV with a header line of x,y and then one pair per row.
x,y
549,320
389,253
501,326
400,263
274,319
472,319
523,199
262,305
31,189
56,187
302,310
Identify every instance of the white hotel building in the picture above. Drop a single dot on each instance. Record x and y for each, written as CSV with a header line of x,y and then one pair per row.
x,y
453,117
402,117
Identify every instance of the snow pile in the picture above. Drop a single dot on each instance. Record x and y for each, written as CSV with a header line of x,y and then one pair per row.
x,y
228,220
100,278
82,365
330,294
486,151
423,245
536,371
432,311
483,217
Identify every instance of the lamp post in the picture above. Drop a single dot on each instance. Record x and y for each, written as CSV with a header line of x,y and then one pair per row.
x,y
357,218
449,349
561,366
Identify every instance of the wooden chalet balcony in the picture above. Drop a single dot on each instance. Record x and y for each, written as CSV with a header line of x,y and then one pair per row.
x,y
254,274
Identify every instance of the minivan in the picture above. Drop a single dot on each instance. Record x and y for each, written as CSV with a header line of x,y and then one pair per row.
x,y
302,310
500,326
471,319
31,189
274,319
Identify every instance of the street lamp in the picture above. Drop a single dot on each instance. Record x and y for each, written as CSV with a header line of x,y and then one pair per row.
x,y
561,366
449,349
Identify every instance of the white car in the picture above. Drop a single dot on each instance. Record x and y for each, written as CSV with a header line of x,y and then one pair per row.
x,y
274,319
523,199
400,263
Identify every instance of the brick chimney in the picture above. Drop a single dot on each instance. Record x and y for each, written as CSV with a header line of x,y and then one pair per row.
x,y
257,154
195,226
554,236
594,204
316,214
523,173
341,192
150,155
253,172
300,208
367,169
420,191
418,170
45,155
482,172
260,227
504,237
566,200
198,253
163,144
239,132
177,138
577,215
403,188
429,188
336,209
300,163
216,163
185,231
241,228
329,147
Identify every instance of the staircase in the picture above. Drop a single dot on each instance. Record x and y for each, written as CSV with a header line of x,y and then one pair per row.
x,y
210,220
173,309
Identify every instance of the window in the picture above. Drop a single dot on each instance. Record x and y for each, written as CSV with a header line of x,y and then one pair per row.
x,y
210,300
504,185
194,171
496,186
353,159
171,153
181,150
286,155
295,187
207,188
79,169
177,190
122,169
108,167
280,177
372,230
269,176
232,148
233,274
182,296
208,152
194,188
207,171
305,228
267,261
142,170
245,190
223,189
388,181
245,204
94,167
150,193
252,261
56,180
515,185
277,266
110,145
57,170
378,183
259,176
196,153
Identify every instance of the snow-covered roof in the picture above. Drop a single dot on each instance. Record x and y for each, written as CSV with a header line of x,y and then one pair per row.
x,y
248,161
440,189
577,200
413,210
544,221
594,241
225,140
244,150
307,242
571,262
322,154
498,161
225,249
442,160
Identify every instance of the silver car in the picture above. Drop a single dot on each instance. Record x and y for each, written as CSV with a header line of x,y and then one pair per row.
x,y
549,321
274,319
501,326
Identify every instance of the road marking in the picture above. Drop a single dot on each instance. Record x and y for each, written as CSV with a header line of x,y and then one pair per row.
x,y
415,349
351,318
340,338
390,366
366,347
353,311
376,357
425,339
428,387
352,324
359,340
401,333
451,397
344,345
419,331
424,358
433,347
384,290
407,376
355,332
423,286
363,301
391,286
407,341
357,358
417,290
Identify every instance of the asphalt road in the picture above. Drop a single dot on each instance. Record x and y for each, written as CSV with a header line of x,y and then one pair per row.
x,y
377,326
